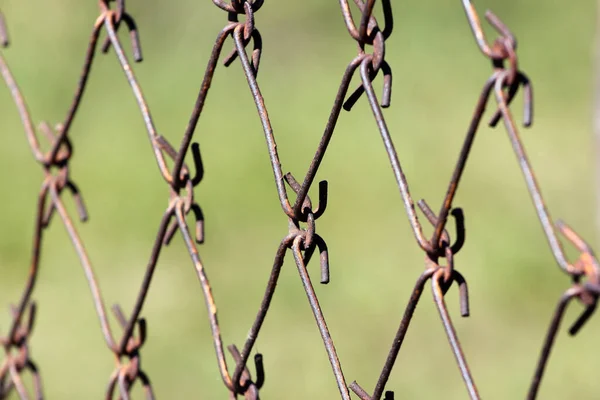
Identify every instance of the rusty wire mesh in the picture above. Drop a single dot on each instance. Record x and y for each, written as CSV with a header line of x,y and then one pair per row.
x,y
302,240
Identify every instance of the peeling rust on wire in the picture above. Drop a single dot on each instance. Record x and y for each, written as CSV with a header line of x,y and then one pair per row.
x,y
302,240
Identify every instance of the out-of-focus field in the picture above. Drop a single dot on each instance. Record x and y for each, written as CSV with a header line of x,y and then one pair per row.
x,y
438,72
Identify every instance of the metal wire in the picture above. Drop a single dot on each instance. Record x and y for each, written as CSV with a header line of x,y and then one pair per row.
x,y
302,240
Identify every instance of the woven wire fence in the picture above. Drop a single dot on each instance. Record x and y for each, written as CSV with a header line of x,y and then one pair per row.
x,y
239,44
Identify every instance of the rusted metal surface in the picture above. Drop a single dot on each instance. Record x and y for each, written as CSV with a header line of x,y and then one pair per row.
x,y
302,240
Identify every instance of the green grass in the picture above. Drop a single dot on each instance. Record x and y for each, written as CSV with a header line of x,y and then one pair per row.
x,y
438,73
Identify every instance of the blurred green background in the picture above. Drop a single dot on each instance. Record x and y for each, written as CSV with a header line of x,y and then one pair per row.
x,y
438,73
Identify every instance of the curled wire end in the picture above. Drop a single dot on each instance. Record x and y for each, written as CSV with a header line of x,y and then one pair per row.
x,y
81,209
32,314
199,216
133,36
573,237
135,41
463,291
310,229
118,312
323,193
386,97
199,226
197,158
143,330
147,385
37,379
171,230
359,391
353,98
522,80
106,46
307,210
374,68
459,219
3,32
46,218
319,243
260,371
512,91
133,343
248,386
256,51
47,130
583,318
500,27
444,239
230,58
527,100
324,258
200,231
